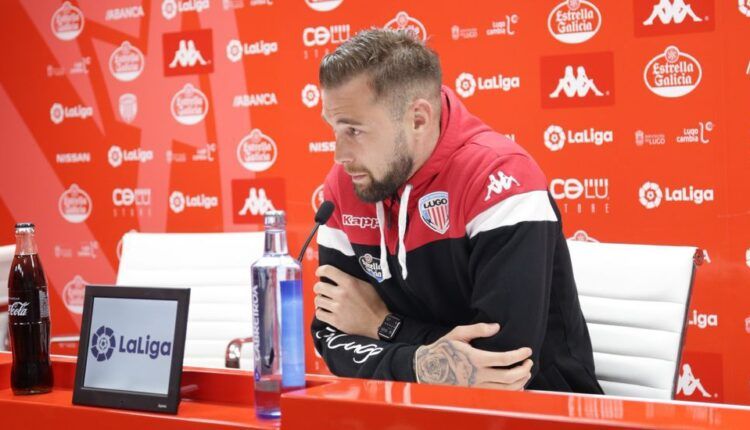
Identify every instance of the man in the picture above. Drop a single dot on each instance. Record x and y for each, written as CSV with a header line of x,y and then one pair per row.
x,y
444,261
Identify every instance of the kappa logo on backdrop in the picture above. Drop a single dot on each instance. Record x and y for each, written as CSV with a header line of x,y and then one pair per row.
x,y
323,5
75,205
189,105
188,52
672,73
170,8
651,196
257,152
435,212
574,21
104,344
700,377
236,49
120,13
411,25
126,62
663,17
67,22
252,198
579,80
179,201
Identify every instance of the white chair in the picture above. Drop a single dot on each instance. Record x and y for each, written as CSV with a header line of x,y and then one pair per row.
x,y
634,299
6,258
216,268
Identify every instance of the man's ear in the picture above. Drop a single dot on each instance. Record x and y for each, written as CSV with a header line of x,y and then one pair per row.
x,y
422,114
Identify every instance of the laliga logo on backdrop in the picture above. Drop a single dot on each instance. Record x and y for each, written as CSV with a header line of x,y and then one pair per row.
x,y
672,73
466,85
67,22
703,320
73,294
116,156
323,5
178,201
574,21
236,49
650,195
310,95
409,24
256,151
744,6
170,8
57,112
189,105
75,205
555,137
126,62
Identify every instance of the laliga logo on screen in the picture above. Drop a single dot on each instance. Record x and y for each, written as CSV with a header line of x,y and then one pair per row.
x,y
73,294
236,49
178,201
189,105
75,204
126,62
672,73
555,137
650,195
668,12
323,5
409,24
103,345
170,8
256,151
575,85
317,198
257,203
67,22
574,21
310,95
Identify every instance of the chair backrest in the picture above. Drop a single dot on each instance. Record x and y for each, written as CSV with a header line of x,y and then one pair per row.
x,y
634,299
216,267
6,258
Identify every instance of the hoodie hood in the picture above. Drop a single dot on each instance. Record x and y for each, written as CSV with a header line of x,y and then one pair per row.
x,y
457,128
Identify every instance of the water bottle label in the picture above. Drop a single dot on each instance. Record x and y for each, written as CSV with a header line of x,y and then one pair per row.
x,y
292,335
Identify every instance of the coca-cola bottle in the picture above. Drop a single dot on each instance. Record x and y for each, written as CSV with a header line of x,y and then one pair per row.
x,y
28,317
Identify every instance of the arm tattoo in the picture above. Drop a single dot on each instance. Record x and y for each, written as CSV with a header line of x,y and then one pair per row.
x,y
442,363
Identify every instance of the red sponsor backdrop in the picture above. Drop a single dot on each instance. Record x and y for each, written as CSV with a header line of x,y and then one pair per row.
x,y
198,115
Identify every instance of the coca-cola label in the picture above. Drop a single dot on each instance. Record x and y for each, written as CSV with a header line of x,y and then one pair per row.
x,y
28,306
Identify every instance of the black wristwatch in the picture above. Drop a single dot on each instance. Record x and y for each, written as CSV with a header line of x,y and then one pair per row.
x,y
389,328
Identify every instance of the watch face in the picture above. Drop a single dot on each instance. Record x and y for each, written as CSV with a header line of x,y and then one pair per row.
x,y
389,328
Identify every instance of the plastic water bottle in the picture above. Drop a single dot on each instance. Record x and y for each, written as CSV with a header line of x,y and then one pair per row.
x,y
278,329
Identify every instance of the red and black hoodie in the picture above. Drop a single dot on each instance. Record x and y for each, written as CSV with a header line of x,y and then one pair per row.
x,y
473,236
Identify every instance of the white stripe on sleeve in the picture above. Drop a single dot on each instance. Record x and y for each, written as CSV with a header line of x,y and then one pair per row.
x,y
335,239
531,206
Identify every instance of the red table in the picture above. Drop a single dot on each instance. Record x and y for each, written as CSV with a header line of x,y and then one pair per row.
x,y
222,399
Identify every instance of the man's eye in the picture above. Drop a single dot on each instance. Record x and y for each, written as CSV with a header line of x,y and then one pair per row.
x,y
354,132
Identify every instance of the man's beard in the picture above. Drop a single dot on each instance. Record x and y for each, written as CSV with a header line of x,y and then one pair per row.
x,y
398,172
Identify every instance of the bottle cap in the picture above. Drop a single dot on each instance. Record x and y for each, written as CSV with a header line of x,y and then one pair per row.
x,y
25,227
275,219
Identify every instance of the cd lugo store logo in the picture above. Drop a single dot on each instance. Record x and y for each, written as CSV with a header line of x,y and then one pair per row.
x,y
104,343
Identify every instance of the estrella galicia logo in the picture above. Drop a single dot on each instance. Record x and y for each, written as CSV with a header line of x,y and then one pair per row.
x,y
371,266
434,211
103,343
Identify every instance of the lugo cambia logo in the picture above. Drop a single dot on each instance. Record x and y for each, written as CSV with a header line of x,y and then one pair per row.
x,y
104,343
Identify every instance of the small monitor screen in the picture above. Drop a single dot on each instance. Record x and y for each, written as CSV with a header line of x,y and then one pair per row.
x,y
130,345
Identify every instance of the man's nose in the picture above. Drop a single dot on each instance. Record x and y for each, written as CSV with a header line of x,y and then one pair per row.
x,y
342,154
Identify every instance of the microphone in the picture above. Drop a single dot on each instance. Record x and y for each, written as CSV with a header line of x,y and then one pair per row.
x,y
321,217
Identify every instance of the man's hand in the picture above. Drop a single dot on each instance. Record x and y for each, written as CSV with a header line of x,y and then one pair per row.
x,y
451,360
352,305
